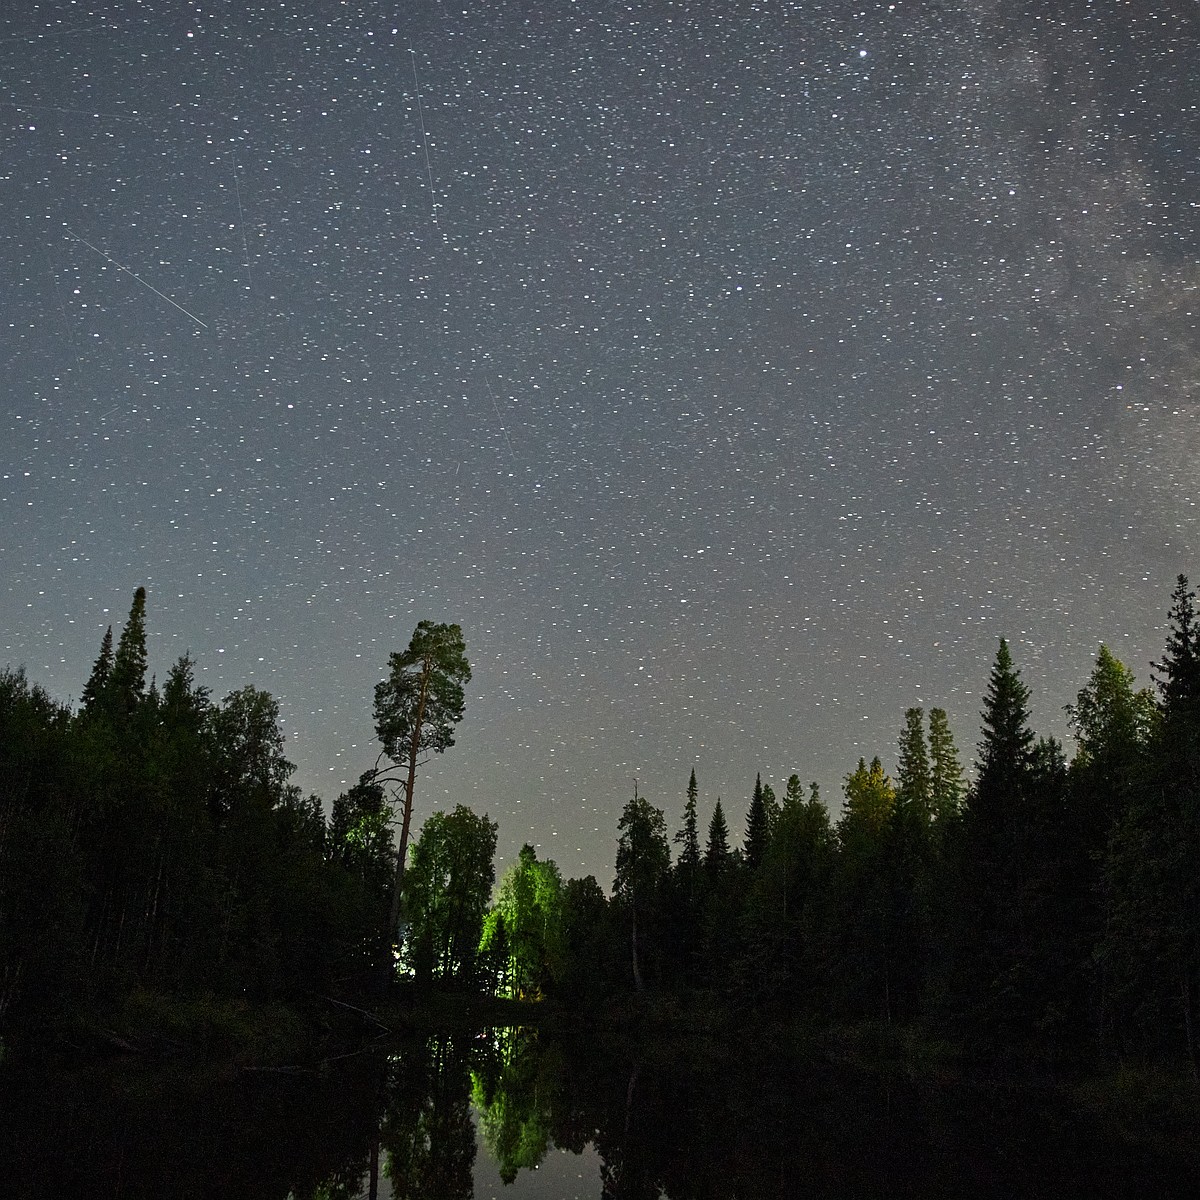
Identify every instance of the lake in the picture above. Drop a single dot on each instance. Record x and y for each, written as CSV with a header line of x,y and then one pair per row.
x,y
519,1114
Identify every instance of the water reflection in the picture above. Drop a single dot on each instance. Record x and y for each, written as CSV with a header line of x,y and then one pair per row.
x,y
465,1113
522,1114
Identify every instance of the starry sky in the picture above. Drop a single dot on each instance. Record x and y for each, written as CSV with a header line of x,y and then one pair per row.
x,y
735,373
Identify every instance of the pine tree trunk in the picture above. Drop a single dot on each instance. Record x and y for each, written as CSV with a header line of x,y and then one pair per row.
x,y
410,783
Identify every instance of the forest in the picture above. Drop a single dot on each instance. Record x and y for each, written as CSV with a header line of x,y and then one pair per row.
x,y
1047,907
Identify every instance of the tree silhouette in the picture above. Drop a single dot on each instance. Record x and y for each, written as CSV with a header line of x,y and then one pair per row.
x,y
643,860
416,710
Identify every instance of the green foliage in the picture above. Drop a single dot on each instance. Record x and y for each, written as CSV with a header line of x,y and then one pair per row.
x,y
514,1108
947,785
859,942
870,799
446,890
41,911
1111,721
523,932
1150,950
153,841
1178,672
781,938
422,700
252,767
794,795
360,826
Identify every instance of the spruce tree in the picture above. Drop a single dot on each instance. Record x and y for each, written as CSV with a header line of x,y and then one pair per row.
x,y
716,852
95,688
999,862
914,786
794,796
1152,891
758,826
947,785
870,799
127,681
688,837
687,876
1109,718
1178,679
1006,741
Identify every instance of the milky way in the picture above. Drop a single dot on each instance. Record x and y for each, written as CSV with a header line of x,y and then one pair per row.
x,y
735,374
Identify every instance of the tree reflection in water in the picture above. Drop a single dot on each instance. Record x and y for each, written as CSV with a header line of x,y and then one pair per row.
x,y
686,1119
426,1129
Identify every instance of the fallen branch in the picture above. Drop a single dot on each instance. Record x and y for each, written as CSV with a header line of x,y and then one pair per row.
x,y
362,1012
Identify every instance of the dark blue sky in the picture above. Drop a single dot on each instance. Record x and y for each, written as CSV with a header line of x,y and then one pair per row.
x,y
735,374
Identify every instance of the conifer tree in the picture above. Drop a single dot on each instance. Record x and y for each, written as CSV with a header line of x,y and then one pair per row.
x,y
1003,754
1001,861
716,851
947,786
758,826
870,798
127,680
793,797
1111,720
914,789
688,887
1007,739
95,688
1152,890
688,837
771,804
1178,679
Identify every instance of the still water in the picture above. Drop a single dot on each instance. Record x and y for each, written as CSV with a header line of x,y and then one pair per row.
x,y
510,1113
561,1175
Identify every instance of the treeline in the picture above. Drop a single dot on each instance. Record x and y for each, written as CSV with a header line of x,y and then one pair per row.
x,y
152,840
1051,907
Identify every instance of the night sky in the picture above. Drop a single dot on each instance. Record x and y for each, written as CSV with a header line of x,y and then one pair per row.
x,y
735,374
